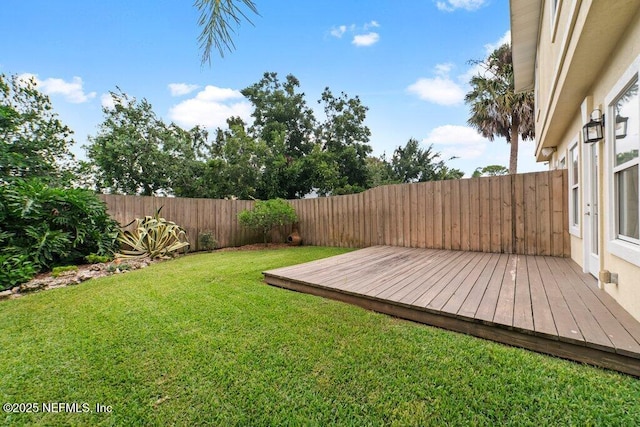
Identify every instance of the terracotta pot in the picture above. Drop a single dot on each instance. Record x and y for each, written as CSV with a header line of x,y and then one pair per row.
x,y
294,239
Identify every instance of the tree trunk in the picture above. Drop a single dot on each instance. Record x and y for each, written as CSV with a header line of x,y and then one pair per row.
x,y
513,157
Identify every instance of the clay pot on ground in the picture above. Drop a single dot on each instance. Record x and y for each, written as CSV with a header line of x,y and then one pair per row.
x,y
294,238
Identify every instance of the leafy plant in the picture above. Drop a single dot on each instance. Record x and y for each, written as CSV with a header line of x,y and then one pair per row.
x,y
53,226
97,259
112,268
16,269
153,236
266,215
206,241
59,271
33,141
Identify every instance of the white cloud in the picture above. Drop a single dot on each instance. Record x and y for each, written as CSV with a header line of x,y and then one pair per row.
x,y
366,39
71,91
457,141
372,24
211,108
453,135
338,32
179,89
451,5
362,36
443,70
439,89
214,93
477,69
474,70
490,47
106,100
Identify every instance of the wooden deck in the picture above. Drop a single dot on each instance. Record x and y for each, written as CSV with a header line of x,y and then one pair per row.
x,y
545,304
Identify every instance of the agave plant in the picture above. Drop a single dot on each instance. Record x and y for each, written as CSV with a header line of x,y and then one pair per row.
x,y
153,236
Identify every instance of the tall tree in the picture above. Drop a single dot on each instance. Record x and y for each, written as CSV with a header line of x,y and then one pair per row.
x,y
381,171
345,136
216,17
491,170
33,141
414,164
188,150
496,110
135,152
234,170
286,124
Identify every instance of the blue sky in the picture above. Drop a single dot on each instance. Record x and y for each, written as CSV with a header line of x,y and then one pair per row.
x,y
407,60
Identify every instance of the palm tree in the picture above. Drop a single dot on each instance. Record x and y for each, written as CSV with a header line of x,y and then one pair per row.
x,y
496,110
215,19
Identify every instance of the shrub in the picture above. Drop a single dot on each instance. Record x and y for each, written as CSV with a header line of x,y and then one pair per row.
x,y
112,268
266,215
16,269
97,259
53,226
153,236
59,271
206,241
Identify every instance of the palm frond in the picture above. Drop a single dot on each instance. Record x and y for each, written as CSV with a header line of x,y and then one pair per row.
x,y
216,18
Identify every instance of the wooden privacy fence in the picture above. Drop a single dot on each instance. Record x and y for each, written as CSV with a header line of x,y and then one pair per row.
x,y
523,214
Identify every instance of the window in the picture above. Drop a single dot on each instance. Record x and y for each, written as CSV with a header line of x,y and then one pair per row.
x,y
574,190
623,143
625,163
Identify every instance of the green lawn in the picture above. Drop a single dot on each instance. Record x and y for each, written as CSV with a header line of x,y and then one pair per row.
x,y
201,340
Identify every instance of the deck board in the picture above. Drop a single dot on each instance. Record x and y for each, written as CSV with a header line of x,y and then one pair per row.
x,y
543,322
487,308
474,298
522,309
506,297
541,303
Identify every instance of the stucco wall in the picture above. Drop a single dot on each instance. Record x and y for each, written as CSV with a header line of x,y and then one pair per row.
x,y
593,94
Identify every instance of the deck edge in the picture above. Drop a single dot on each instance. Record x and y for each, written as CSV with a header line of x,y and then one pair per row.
x,y
481,329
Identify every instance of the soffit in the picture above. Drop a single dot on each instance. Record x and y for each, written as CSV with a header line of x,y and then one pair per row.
x,y
525,24
597,31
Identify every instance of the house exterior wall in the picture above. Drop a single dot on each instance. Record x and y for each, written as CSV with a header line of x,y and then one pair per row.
x,y
566,94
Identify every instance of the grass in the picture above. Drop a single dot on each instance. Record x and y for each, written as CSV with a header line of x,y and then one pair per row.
x,y
201,340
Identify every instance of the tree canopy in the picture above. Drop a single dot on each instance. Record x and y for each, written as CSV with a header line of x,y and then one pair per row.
x,y
285,153
34,143
135,152
491,170
496,110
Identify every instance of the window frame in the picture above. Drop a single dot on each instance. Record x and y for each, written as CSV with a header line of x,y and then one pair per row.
x,y
624,247
573,166
554,11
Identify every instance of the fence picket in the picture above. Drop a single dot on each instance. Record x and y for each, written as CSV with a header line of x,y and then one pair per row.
x,y
523,214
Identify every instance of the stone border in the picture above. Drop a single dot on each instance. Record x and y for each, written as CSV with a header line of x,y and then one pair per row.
x,y
82,274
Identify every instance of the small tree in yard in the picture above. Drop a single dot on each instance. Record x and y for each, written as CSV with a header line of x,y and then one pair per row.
x,y
266,215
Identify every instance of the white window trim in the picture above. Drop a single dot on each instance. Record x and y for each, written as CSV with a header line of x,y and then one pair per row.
x,y
574,229
555,13
626,250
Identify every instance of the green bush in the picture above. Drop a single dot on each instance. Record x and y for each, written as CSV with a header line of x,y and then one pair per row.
x,y
97,259
266,215
16,269
206,241
53,226
154,237
59,271
112,268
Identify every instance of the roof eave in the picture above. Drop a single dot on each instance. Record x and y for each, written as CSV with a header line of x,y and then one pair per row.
x,y
525,26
